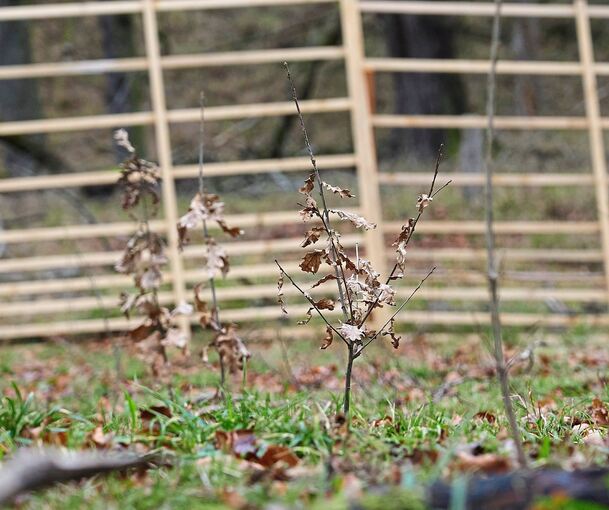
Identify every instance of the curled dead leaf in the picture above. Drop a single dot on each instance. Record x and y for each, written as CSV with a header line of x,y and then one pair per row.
x,y
311,261
328,338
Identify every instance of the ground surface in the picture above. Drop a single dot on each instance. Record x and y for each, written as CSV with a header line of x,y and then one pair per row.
x,y
426,411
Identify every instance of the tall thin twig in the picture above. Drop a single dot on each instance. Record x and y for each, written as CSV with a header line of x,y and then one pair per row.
x,y
431,193
211,280
492,275
325,216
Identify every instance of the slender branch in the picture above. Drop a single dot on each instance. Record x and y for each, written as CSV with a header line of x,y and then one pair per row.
x,y
211,280
502,371
399,309
430,193
311,302
325,216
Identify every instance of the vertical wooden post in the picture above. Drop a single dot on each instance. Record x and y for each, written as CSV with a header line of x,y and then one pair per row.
x,y
597,143
363,135
163,143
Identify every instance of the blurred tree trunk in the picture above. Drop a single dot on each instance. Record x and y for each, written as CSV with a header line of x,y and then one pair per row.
x,y
524,43
120,89
422,93
18,98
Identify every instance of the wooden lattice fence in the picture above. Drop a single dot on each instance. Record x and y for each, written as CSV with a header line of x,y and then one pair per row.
x,y
36,306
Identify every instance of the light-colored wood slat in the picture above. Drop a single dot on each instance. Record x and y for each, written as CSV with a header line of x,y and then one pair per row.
x,y
169,201
500,179
502,227
21,331
506,254
69,305
114,281
250,57
68,10
82,67
185,5
171,62
363,139
99,8
41,182
265,166
596,135
33,235
93,259
67,328
213,113
463,66
81,123
251,220
477,122
467,8
105,8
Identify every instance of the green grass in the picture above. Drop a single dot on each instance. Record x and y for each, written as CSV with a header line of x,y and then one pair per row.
x,y
60,394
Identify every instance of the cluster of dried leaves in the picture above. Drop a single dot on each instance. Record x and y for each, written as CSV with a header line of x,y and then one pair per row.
x,y
204,208
143,259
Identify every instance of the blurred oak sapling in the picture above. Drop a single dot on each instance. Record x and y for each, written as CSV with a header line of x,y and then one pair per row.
x,y
143,259
205,208
360,289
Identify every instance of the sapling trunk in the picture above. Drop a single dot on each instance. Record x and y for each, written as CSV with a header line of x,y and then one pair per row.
x,y
350,360
492,274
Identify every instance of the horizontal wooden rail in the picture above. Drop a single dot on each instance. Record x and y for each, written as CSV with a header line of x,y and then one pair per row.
x,y
462,66
93,259
525,179
255,292
171,62
502,227
256,271
30,330
506,254
41,182
251,220
99,8
212,113
533,10
479,122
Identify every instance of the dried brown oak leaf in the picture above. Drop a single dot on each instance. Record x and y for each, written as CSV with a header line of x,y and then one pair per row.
x,y
312,236
328,338
311,261
231,348
343,193
308,185
280,293
204,207
355,219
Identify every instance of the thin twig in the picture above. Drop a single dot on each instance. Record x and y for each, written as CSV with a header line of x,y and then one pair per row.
x,y
211,280
311,302
399,309
431,194
325,216
502,371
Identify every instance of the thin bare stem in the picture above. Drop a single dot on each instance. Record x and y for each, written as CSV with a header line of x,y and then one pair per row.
x,y
398,310
492,275
348,373
325,216
311,302
211,280
430,193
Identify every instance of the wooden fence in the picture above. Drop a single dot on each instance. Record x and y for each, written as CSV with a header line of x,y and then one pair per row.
x,y
31,306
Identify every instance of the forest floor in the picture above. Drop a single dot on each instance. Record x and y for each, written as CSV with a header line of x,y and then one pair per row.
x,y
430,410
